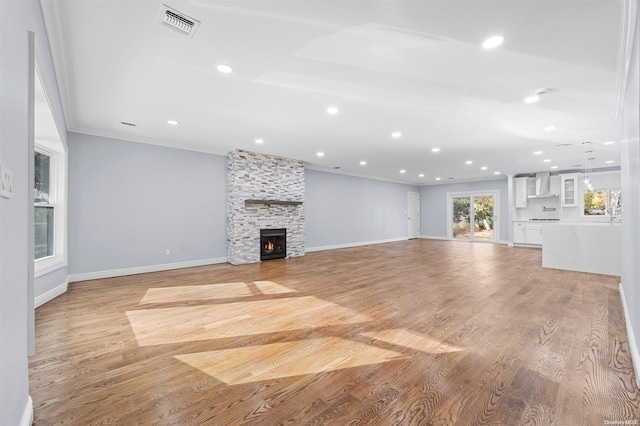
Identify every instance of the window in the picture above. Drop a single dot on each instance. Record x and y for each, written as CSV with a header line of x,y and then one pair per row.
x,y
603,197
49,174
44,207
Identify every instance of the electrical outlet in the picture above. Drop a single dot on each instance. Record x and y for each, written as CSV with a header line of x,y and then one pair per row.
x,y
6,182
167,252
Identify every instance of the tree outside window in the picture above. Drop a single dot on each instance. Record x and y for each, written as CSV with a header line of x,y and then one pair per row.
x,y
601,202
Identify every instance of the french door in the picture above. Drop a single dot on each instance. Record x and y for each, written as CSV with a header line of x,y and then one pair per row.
x,y
472,217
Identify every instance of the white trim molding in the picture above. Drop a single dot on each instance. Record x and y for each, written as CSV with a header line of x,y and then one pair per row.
x,y
633,345
625,51
51,294
433,237
86,276
348,245
27,414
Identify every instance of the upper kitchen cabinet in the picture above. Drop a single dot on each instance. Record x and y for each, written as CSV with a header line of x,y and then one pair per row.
x,y
569,190
521,192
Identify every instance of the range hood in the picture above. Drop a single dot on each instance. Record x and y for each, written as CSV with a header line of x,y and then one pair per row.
x,y
543,182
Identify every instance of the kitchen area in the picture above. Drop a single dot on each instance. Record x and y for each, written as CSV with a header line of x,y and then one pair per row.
x,y
573,217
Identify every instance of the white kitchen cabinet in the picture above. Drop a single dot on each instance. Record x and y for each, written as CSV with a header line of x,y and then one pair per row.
x,y
533,233
521,192
569,190
527,233
519,236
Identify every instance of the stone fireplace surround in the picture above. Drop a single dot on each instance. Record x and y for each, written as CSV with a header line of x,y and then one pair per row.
x,y
274,188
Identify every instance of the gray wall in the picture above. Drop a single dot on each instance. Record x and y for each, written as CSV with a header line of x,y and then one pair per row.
x,y
630,176
17,18
47,282
343,209
433,205
129,202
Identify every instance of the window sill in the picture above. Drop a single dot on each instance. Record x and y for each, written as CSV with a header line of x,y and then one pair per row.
x,y
48,265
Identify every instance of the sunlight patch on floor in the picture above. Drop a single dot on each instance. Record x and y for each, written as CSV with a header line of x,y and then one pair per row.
x,y
158,326
211,292
278,360
413,340
269,287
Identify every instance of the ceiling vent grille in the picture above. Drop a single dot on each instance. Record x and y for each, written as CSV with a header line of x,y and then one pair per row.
x,y
177,21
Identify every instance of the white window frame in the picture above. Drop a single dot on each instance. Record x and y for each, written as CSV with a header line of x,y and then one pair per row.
x,y
57,151
601,217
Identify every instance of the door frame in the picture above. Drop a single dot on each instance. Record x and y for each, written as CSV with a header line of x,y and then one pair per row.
x,y
409,223
495,193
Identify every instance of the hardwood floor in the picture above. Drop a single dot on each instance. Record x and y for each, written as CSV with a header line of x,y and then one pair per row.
x,y
417,332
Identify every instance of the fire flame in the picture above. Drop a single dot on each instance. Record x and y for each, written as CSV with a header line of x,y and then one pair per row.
x,y
269,246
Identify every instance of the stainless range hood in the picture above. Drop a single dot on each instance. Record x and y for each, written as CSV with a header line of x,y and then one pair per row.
x,y
543,183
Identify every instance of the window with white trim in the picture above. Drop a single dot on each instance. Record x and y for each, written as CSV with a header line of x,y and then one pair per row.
x,y
49,187
601,195
44,198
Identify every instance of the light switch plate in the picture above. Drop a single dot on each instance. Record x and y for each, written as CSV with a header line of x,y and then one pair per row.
x,y
6,182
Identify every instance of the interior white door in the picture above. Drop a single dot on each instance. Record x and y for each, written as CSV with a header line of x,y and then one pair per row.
x,y
413,214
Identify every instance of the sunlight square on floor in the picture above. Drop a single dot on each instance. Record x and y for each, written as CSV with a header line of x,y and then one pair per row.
x,y
288,359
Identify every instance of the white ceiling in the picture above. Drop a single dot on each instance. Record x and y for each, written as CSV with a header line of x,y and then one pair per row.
x,y
417,67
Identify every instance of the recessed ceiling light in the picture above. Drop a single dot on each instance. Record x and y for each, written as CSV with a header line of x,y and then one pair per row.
x,y
435,149
224,69
363,163
546,160
550,128
553,167
333,110
531,99
320,154
396,135
483,168
609,161
610,143
468,162
403,171
492,42
437,178
421,175
259,141
496,173
538,153
172,122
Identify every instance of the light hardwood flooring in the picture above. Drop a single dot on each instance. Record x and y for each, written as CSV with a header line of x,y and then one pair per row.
x,y
417,332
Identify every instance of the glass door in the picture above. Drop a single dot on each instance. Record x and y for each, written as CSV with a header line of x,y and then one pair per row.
x,y
462,218
473,217
483,218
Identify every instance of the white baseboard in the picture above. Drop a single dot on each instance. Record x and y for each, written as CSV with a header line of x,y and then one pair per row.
x,y
431,237
27,414
348,245
143,269
633,346
51,294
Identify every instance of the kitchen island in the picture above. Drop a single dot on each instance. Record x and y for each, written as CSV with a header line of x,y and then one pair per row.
x,y
582,246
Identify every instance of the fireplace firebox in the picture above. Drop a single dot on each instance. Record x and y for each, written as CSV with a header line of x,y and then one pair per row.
x,y
273,244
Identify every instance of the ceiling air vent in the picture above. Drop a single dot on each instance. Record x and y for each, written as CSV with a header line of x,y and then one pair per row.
x,y
178,21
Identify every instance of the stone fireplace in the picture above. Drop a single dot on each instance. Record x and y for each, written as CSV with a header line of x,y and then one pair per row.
x,y
264,193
